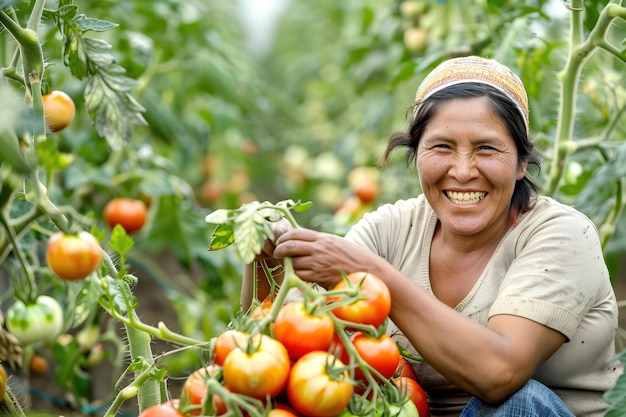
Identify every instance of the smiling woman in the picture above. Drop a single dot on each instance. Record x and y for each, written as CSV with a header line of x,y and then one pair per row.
x,y
501,291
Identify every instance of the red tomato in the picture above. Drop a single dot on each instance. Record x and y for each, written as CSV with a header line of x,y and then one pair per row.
x,y
263,310
405,369
257,373
73,257
129,213
415,392
194,391
366,190
167,409
301,332
225,342
59,110
313,388
373,309
381,353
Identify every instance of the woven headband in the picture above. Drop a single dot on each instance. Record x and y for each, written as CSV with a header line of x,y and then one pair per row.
x,y
479,70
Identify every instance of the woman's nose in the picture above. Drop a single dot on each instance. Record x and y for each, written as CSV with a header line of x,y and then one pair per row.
x,y
464,168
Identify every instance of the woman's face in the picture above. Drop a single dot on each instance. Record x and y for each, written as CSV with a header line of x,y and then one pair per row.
x,y
467,165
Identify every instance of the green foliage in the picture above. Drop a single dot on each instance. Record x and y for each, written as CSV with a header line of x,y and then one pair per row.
x,y
177,106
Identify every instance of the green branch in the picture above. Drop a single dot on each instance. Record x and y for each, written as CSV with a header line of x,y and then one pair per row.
x,y
579,52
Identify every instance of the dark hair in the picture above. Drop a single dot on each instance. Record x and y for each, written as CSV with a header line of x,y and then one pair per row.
x,y
526,188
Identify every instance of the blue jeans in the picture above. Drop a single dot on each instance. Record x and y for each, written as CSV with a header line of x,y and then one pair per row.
x,y
533,400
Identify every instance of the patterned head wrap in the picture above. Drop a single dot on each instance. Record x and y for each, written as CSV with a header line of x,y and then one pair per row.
x,y
479,70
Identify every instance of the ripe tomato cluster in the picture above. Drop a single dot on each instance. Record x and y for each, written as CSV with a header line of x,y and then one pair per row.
x,y
322,357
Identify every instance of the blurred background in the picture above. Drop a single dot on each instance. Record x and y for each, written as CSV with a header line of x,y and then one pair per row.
x,y
289,99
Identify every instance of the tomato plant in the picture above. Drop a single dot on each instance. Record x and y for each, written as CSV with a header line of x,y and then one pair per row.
x,y
39,321
59,110
225,342
373,309
130,213
415,392
318,385
73,257
381,353
301,332
259,369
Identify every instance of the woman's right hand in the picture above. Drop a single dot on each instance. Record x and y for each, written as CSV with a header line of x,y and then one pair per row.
x,y
279,227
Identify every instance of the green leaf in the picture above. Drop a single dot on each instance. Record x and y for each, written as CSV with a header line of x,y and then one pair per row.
x,y
120,241
250,234
67,12
616,396
97,25
219,216
222,237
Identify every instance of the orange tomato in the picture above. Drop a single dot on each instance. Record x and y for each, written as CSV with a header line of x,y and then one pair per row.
x,y
59,110
73,257
129,213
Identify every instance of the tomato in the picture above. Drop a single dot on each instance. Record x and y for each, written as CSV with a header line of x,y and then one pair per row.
x,y
281,406
366,190
129,213
317,387
405,369
416,39
263,310
381,353
40,321
414,391
276,412
167,409
3,382
37,365
59,110
225,342
73,257
260,372
373,309
194,391
301,332
406,409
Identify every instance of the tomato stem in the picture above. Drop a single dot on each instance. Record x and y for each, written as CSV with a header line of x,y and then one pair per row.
x,y
122,396
29,295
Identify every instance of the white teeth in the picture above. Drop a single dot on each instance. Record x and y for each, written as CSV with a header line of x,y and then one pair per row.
x,y
465,198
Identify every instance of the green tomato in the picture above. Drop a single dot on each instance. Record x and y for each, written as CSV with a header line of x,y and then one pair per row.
x,y
40,321
406,409
386,409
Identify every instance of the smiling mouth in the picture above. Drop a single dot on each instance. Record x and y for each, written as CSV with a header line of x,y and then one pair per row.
x,y
465,198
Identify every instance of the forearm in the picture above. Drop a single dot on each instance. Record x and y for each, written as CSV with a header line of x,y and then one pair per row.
x,y
475,358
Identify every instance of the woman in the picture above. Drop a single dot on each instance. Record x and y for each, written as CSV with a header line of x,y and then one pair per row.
x,y
504,293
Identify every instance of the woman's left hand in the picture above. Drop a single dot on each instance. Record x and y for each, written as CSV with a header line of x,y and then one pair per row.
x,y
321,257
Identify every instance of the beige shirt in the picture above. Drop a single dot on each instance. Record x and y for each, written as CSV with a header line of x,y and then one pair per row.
x,y
549,268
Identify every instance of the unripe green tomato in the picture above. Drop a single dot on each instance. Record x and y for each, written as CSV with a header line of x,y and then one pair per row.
x,y
40,321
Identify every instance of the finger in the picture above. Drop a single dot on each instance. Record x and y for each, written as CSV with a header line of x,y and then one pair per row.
x,y
298,234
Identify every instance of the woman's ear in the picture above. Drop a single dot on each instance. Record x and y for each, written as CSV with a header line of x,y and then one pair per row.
x,y
522,170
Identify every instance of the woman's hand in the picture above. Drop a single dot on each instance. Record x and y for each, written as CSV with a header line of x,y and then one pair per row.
x,y
279,227
321,257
